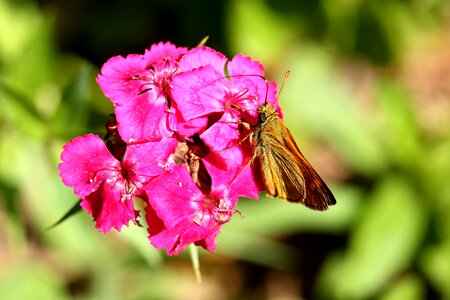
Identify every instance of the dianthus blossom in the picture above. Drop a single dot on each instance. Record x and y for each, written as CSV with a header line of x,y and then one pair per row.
x,y
174,142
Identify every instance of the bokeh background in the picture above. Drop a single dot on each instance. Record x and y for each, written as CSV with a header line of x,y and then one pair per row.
x,y
368,101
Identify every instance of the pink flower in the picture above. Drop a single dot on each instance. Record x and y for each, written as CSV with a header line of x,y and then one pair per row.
x,y
199,68
180,214
207,89
139,86
106,185
230,169
177,142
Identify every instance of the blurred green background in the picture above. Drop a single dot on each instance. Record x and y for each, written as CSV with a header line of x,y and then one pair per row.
x,y
368,101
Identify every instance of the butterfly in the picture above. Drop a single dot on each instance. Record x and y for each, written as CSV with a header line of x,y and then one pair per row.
x,y
285,171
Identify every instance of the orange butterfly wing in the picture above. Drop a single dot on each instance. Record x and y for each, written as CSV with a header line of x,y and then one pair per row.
x,y
286,172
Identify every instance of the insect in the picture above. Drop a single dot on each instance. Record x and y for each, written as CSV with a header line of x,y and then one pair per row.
x,y
285,171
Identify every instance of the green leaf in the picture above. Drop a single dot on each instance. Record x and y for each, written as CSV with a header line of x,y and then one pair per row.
x,y
75,209
20,100
264,35
71,117
317,102
383,242
399,130
137,238
408,287
435,262
265,220
31,281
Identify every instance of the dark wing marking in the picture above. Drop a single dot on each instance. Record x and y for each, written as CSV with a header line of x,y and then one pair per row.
x,y
318,195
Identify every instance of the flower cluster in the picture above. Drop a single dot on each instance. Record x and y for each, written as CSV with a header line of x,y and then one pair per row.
x,y
175,141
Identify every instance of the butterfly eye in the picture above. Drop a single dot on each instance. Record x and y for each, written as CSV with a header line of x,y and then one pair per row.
x,y
262,118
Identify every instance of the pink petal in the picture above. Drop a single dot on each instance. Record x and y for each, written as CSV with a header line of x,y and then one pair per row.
x,y
155,224
248,74
174,196
85,163
209,242
199,92
187,129
241,64
163,51
134,121
145,161
222,134
239,179
175,239
123,78
179,214
248,183
108,206
203,56
137,92
253,79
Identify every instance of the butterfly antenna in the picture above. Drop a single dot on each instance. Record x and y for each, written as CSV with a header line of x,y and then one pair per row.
x,y
285,77
267,91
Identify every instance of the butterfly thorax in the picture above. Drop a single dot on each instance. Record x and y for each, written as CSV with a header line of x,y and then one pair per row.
x,y
266,130
266,113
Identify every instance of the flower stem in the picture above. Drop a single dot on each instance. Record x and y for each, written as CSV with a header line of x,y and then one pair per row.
x,y
195,262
